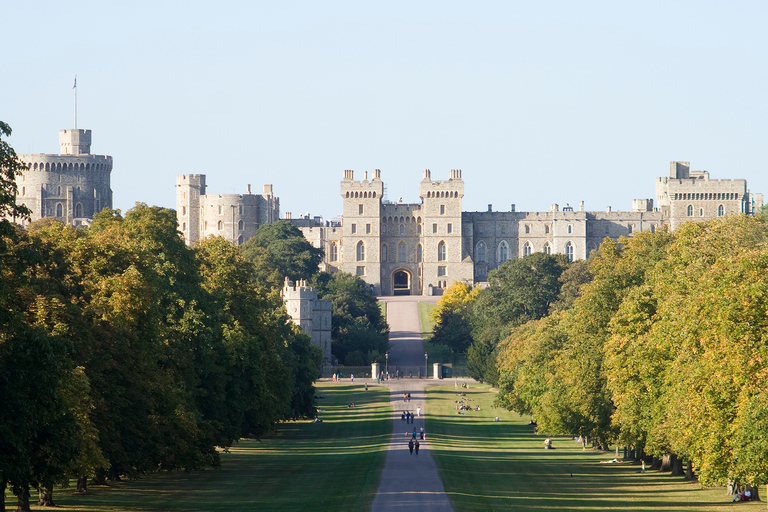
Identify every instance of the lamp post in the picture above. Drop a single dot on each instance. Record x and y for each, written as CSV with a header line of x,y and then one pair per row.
x,y
386,363
426,365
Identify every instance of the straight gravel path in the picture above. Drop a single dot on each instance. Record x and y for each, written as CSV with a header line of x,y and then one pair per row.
x,y
408,481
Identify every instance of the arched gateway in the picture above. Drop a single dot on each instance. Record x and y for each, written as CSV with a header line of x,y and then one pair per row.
x,y
401,282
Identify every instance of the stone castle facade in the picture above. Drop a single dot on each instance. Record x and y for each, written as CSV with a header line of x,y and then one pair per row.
x,y
311,314
235,217
71,186
424,247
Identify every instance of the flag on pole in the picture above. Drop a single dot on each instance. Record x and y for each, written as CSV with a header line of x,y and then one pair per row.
x,y
75,86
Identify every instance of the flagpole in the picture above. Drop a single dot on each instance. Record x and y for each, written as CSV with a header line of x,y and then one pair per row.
x,y
75,88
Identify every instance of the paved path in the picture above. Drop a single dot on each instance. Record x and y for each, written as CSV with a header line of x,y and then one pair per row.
x,y
408,482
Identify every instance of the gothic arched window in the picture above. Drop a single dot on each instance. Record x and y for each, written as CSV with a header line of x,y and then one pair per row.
x,y
401,252
360,251
527,249
569,251
334,252
503,252
441,251
481,252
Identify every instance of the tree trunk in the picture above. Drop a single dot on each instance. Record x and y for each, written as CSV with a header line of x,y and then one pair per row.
x,y
677,465
23,500
82,484
755,492
666,463
625,452
46,496
689,471
655,463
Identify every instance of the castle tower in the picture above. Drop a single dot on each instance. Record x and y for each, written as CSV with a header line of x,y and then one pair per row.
x,y
311,314
189,190
72,186
445,258
360,238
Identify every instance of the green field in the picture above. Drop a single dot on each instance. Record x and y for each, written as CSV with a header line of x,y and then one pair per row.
x,y
425,308
487,465
330,466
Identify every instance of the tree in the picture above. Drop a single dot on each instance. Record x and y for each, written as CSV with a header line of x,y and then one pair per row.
x,y
518,291
10,168
279,250
452,318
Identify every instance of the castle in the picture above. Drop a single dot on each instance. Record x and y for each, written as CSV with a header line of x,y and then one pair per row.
x,y
71,186
235,217
422,248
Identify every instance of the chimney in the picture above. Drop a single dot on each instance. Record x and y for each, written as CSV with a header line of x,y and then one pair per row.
x,y
513,207
249,189
581,206
490,207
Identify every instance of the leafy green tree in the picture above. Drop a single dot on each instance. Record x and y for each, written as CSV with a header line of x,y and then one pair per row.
x,y
279,250
518,291
360,333
10,168
452,318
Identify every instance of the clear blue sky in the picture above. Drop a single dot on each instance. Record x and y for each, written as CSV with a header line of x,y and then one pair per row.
x,y
536,102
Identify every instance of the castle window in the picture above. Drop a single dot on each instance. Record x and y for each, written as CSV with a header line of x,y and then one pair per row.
x,y
347,194
419,228
401,252
720,211
240,209
360,271
334,252
434,228
402,229
547,248
569,251
527,249
629,228
479,229
570,228
206,225
591,247
23,191
418,253
374,194
450,228
383,228
690,210
504,229
701,212
527,229
183,226
481,252
442,209
441,251
360,251
240,240
59,210
240,225
653,228
384,253
221,225
368,229
354,228
219,211
360,209
58,193
183,210
79,210
503,252
441,270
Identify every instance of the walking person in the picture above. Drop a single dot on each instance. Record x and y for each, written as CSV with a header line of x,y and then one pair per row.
x,y
410,446
417,447
418,411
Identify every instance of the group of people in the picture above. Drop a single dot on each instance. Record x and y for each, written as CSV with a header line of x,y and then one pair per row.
x,y
413,446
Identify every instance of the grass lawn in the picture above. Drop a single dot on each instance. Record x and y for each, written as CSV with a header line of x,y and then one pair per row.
x,y
425,308
488,466
330,466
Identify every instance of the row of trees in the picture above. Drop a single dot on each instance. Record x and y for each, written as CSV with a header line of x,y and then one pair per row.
x,y
659,342
123,351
